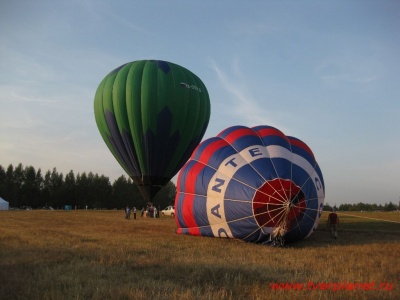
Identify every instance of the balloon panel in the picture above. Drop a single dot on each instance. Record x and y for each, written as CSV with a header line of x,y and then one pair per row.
x,y
249,184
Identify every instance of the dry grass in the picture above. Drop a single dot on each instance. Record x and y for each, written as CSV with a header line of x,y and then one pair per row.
x,y
100,255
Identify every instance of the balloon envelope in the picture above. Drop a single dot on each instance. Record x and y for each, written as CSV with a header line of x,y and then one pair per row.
x,y
151,114
251,184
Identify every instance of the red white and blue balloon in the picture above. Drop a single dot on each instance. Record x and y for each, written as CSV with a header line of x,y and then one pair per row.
x,y
253,184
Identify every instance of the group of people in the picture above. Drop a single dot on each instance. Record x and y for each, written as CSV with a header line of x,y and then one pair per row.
x,y
128,212
149,211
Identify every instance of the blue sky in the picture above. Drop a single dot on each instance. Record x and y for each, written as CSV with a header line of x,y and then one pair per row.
x,y
326,72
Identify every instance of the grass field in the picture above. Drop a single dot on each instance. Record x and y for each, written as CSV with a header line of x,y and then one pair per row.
x,y
100,255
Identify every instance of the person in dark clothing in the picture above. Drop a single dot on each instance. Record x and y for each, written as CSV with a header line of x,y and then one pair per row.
x,y
134,213
333,224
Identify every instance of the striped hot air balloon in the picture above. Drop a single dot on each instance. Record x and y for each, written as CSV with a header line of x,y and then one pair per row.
x,y
254,184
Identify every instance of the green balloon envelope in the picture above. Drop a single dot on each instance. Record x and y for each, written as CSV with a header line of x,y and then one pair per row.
x,y
151,114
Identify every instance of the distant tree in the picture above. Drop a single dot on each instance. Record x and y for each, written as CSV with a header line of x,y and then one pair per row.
x,y
6,183
327,207
70,188
389,207
46,190
3,178
344,207
39,184
82,184
91,190
57,197
30,189
166,196
101,190
124,192
17,181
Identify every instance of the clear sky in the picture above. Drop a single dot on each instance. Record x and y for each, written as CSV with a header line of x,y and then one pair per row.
x,y
326,72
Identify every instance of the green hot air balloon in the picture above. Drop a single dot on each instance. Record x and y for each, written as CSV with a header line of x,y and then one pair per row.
x,y
151,114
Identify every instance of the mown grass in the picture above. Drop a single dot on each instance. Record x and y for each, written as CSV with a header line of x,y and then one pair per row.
x,y
100,255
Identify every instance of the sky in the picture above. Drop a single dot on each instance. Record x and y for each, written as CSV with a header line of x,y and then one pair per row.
x,y
326,72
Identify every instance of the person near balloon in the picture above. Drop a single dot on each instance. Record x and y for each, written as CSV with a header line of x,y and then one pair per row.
x,y
333,223
127,212
134,213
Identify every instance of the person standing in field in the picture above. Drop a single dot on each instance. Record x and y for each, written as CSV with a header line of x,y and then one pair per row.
x,y
127,213
333,223
134,213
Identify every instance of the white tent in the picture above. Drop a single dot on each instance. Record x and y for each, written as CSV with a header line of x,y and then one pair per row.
x,y
4,205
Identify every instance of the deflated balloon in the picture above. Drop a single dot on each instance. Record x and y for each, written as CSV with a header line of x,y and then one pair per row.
x,y
253,184
151,114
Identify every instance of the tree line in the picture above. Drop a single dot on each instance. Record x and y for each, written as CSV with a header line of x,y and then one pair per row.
x,y
26,187
363,207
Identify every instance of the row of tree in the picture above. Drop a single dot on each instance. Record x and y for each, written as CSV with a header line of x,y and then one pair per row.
x,y
26,187
363,207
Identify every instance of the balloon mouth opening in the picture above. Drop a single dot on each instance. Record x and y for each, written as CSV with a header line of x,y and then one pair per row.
x,y
279,204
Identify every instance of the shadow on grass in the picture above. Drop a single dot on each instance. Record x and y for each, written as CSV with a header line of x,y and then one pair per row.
x,y
88,278
360,233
